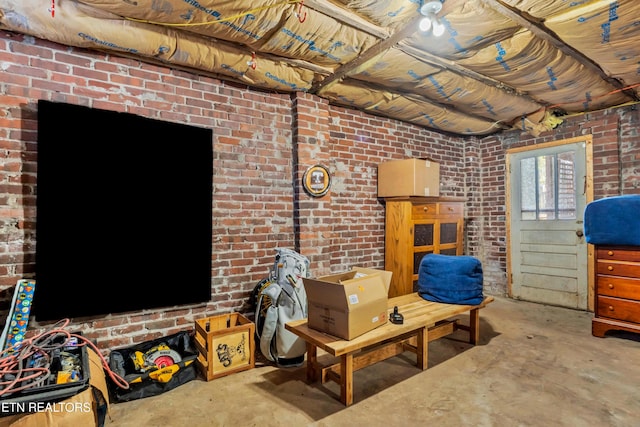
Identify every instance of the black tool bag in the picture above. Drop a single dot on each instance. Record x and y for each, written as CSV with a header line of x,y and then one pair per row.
x,y
153,380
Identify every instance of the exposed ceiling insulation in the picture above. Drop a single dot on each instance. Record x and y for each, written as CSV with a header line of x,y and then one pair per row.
x,y
501,64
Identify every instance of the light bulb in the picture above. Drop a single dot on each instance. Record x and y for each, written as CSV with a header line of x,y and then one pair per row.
x,y
438,28
425,24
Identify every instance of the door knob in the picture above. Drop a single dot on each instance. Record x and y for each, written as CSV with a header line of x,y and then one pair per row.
x,y
579,233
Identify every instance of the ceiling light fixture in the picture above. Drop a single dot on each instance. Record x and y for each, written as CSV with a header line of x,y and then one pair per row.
x,y
430,20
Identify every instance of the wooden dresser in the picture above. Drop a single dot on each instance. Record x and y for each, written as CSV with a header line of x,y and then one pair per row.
x,y
414,227
617,303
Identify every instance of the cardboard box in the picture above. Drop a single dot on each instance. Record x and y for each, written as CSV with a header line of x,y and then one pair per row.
x,y
409,177
225,345
348,304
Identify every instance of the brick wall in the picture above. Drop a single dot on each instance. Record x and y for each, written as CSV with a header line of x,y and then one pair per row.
x,y
263,143
252,167
630,151
359,143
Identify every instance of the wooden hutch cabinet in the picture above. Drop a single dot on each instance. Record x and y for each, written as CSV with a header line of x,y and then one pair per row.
x,y
414,227
617,296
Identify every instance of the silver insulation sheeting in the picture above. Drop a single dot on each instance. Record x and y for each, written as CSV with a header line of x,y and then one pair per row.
x,y
488,72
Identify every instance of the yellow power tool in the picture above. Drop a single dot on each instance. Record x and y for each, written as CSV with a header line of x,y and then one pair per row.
x,y
156,357
162,375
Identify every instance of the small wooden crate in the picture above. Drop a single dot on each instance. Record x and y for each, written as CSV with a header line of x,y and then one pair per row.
x,y
225,345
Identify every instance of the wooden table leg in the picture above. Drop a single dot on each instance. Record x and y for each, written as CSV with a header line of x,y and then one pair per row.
x,y
422,347
312,363
346,379
474,326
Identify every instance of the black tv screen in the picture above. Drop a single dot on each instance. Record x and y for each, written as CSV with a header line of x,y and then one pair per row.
x,y
124,212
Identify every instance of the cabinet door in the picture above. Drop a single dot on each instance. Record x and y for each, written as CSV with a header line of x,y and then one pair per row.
x,y
450,237
424,240
448,232
424,233
415,229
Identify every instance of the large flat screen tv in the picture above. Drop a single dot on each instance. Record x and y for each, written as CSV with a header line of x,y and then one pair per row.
x,y
124,212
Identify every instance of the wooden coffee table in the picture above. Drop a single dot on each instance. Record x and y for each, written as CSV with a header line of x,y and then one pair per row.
x,y
424,321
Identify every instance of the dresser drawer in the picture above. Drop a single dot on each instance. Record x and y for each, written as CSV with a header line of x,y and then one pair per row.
x,y
424,211
615,268
620,287
450,209
617,254
620,309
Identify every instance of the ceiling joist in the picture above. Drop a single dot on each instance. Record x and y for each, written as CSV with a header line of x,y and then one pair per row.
x,y
376,50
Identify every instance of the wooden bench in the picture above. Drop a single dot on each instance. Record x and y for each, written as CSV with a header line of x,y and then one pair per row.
x,y
424,321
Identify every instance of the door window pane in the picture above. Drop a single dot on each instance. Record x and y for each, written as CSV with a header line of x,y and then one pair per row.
x,y
548,187
567,185
528,188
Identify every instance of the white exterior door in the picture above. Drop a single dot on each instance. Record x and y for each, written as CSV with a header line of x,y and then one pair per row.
x,y
548,252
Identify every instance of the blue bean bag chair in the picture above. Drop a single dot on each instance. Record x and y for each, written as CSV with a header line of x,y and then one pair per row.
x,y
450,279
613,221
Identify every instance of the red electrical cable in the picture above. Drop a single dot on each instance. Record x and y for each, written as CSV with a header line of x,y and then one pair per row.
x,y
299,14
16,377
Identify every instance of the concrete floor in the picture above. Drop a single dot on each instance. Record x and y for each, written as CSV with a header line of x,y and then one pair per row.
x,y
535,365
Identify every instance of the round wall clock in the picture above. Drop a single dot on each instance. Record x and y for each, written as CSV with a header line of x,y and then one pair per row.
x,y
316,180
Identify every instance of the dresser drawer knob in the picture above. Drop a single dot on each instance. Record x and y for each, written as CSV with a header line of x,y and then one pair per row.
x,y
610,308
450,209
426,209
610,253
610,268
610,285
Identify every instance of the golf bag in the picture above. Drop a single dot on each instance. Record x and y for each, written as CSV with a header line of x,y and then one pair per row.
x,y
278,299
